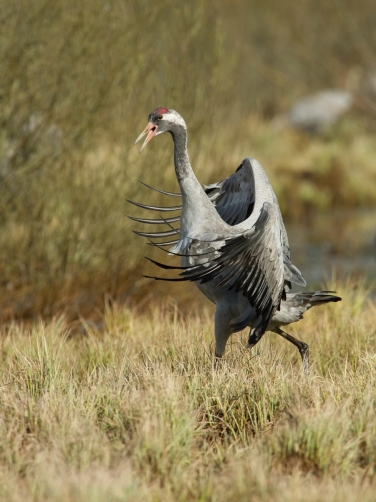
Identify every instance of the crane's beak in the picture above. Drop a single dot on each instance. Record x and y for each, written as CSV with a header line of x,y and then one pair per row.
x,y
151,130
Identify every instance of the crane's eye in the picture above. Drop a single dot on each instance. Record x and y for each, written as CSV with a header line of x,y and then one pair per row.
x,y
160,117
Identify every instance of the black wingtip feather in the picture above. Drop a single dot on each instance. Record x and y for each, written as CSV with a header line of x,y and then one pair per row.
x,y
155,208
173,194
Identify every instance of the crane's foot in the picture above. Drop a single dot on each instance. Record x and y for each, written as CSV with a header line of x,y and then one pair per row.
x,y
304,352
217,361
301,346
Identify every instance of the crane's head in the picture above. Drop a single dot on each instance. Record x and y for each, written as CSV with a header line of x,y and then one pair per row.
x,y
161,120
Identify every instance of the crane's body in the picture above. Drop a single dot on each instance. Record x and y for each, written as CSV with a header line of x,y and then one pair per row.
x,y
232,242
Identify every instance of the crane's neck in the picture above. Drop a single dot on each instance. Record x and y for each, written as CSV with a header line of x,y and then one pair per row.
x,y
196,205
183,166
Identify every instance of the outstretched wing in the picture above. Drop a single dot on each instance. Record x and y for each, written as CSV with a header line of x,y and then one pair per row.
x,y
234,197
251,263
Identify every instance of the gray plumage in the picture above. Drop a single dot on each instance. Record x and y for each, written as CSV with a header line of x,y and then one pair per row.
x,y
297,304
242,265
292,310
234,199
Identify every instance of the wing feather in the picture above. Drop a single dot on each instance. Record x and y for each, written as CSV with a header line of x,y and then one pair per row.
x,y
245,264
234,196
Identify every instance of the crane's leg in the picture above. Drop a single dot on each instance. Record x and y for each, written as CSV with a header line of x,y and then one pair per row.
x,y
225,311
302,347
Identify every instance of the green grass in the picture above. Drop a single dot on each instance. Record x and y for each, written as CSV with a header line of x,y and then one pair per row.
x,y
134,410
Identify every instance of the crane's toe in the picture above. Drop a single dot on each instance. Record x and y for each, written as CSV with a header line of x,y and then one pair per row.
x,y
304,352
217,361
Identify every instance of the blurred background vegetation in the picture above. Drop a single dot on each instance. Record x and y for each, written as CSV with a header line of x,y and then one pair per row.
x,y
77,82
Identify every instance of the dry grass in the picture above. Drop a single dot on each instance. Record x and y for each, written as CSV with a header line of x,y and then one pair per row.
x,y
135,411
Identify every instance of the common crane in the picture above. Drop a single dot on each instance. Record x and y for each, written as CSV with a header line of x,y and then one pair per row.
x,y
245,267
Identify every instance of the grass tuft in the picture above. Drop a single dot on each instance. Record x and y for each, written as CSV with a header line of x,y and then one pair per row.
x,y
135,410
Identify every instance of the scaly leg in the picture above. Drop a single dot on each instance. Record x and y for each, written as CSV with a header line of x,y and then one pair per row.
x,y
225,311
302,347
